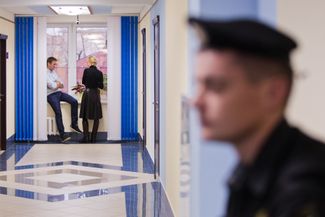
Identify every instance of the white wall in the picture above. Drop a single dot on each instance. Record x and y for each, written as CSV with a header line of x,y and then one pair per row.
x,y
176,83
7,27
173,84
40,111
304,20
113,79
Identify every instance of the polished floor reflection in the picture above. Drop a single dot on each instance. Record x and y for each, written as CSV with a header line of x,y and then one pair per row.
x,y
79,180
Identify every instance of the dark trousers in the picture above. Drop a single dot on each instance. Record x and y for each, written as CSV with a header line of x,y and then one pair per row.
x,y
54,100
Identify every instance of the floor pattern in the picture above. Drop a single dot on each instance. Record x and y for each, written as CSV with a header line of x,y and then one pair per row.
x,y
79,180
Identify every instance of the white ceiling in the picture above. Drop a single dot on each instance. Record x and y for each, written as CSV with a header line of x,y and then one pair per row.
x,y
97,7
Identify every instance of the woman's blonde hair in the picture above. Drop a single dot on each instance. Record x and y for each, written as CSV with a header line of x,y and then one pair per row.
x,y
92,60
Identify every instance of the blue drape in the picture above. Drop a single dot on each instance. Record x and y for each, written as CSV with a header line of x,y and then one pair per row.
x,y
24,27
129,78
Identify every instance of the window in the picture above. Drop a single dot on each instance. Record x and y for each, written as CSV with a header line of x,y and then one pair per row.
x,y
89,41
92,42
57,46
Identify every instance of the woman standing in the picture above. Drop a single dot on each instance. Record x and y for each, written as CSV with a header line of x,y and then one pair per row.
x,y
91,107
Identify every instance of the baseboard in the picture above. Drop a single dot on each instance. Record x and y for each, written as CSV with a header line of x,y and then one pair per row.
x,y
101,137
140,138
11,138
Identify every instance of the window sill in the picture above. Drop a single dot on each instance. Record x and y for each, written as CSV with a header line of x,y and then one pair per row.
x,y
79,102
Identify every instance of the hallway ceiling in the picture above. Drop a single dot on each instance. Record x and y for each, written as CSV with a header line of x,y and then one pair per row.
x,y
97,7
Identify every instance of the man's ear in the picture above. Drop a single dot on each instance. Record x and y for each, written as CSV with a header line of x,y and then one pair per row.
x,y
275,91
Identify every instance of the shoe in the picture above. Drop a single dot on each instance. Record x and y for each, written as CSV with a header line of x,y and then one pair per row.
x,y
76,129
65,138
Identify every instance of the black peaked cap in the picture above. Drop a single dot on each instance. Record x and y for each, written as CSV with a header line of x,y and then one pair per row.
x,y
244,35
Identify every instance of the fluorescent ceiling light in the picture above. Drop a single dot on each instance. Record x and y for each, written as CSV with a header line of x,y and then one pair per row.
x,y
71,10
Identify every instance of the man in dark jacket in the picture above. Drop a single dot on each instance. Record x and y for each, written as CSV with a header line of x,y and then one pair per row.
x,y
244,80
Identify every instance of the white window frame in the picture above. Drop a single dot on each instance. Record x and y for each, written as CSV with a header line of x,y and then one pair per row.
x,y
72,48
113,24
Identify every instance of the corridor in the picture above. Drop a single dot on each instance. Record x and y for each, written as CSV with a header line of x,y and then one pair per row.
x,y
151,158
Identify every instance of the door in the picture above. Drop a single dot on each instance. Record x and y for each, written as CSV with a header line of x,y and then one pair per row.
x,y
157,94
3,119
144,87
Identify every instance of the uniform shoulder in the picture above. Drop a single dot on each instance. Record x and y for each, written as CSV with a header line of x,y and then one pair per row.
x,y
307,148
304,167
301,181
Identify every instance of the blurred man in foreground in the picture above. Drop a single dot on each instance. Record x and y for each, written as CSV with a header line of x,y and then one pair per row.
x,y
244,78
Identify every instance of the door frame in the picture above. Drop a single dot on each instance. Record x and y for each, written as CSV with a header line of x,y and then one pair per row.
x,y
3,91
156,25
144,86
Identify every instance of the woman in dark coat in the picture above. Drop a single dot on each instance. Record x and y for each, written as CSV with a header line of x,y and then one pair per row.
x,y
91,107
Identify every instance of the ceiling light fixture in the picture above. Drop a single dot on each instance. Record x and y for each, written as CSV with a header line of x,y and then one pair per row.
x,y
71,10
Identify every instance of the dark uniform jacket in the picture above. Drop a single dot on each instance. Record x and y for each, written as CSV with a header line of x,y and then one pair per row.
x,y
286,180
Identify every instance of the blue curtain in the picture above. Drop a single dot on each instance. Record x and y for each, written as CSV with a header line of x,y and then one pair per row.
x,y
129,77
24,78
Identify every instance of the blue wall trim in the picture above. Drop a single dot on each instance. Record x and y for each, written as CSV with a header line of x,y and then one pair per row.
x,y
129,91
24,27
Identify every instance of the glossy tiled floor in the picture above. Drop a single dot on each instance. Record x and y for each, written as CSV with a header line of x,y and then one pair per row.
x,y
79,180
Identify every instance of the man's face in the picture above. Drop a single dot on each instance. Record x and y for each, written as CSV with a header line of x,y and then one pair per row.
x,y
52,66
229,104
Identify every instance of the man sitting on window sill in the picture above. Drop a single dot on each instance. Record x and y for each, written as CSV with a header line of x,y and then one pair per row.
x,y
55,95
